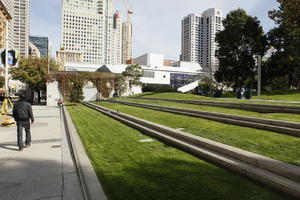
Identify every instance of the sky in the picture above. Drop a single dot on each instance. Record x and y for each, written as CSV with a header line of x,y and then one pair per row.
x,y
156,23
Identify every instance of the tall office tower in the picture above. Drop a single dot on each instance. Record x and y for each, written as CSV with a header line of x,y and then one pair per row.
x,y
21,26
198,38
9,4
116,54
88,27
42,43
127,38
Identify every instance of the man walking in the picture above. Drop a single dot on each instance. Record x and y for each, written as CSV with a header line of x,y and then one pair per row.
x,y
22,112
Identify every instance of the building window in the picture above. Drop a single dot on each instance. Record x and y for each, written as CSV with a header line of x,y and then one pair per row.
x,y
148,74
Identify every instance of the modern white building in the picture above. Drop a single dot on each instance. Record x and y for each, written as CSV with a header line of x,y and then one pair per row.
x,y
154,72
92,28
198,38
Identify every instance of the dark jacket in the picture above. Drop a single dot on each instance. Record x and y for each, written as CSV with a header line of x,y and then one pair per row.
x,y
22,111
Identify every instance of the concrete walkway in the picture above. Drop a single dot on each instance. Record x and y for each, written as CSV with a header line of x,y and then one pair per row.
x,y
43,171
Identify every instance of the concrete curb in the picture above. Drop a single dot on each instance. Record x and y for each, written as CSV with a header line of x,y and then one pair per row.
x,y
91,186
262,108
285,127
275,174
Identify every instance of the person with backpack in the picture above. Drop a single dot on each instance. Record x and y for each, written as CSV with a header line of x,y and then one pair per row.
x,y
22,112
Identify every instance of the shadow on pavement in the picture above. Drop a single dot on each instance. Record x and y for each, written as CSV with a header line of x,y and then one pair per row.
x,y
27,179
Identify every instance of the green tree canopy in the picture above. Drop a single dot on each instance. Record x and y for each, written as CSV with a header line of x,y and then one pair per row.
x,y
33,72
285,62
242,38
132,74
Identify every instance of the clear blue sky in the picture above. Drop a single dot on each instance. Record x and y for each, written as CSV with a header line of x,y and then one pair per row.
x,y
156,23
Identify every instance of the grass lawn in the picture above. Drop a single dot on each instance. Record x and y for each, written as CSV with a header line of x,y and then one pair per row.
x,y
284,95
277,116
131,170
176,95
270,144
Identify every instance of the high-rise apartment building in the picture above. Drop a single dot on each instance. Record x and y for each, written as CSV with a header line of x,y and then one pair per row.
x,y
127,38
42,43
198,38
92,28
21,26
9,4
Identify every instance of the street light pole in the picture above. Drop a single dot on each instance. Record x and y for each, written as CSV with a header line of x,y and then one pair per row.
x,y
259,76
6,58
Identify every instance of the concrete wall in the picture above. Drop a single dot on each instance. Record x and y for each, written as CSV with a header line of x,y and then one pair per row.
x,y
90,94
142,60
53,94
155,60
160,77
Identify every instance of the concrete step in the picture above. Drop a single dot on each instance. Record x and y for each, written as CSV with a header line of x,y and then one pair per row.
x,y
289,128
262,108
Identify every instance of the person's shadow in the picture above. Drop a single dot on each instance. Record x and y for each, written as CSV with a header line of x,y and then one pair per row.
x,y
9,146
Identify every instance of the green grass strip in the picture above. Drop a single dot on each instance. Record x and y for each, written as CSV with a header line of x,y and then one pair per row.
x,y
270,144
131,170
176,95
277,116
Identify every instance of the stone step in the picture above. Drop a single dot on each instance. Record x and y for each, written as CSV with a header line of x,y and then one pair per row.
x,y
262,108
289,128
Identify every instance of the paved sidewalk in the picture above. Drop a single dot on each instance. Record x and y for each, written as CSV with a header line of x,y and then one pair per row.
x,y
43,171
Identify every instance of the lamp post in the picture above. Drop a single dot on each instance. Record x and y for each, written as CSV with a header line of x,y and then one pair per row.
x,y
6,58
258,58
259,76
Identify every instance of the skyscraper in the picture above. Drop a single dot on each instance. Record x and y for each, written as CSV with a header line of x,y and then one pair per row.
x,y
198,38
21,26
92,28
42,43
127,38
9,4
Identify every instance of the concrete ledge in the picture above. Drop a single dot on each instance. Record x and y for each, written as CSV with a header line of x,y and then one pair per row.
x,y
262,108
285,127
272,173
92,188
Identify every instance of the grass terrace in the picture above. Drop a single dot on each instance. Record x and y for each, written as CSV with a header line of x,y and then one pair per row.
x,y
276,116
270,144
130,169
281,96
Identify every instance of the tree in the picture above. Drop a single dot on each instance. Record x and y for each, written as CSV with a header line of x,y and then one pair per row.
x,y
77,93
2,81
285,62
133,74
242,38
33,72
120,84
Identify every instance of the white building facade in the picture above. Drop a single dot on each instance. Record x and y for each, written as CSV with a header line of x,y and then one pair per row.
x,y
198,34
92,28
154,72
